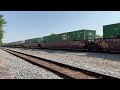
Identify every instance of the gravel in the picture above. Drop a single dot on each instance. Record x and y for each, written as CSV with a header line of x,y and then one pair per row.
x,y
21,69
103,63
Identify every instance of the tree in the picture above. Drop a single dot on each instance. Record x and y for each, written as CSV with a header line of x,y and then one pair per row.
x,y
2,23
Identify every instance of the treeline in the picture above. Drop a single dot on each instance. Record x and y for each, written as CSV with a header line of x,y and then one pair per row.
x,y
2,23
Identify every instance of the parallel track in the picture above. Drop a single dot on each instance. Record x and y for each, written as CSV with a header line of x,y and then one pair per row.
x,y
64,71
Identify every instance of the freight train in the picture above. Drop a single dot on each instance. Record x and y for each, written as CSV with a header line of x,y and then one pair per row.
x,y
76,40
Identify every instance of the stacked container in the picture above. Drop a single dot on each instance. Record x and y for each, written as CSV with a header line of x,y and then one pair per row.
x,y
68,36
111,31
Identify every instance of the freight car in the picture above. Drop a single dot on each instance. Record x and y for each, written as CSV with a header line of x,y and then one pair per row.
x,y
77,40
108,44
14,44
111,38
19,43
32,43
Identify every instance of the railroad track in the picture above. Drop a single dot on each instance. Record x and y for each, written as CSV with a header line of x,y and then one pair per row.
x,y
64,71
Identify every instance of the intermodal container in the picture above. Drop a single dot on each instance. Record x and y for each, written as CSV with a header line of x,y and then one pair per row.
x,y
79,35
40,39
45,38
28,41
90,34
111,31
71,36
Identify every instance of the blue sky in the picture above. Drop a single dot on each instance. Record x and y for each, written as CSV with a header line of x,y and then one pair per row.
x,y
30,24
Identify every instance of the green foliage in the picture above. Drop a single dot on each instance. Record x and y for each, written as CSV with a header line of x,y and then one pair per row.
x,y
2,23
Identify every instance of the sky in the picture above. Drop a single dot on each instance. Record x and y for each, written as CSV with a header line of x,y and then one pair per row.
x,y
23,25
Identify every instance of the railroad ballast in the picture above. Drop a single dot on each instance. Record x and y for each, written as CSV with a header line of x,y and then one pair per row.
x,y
80,39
